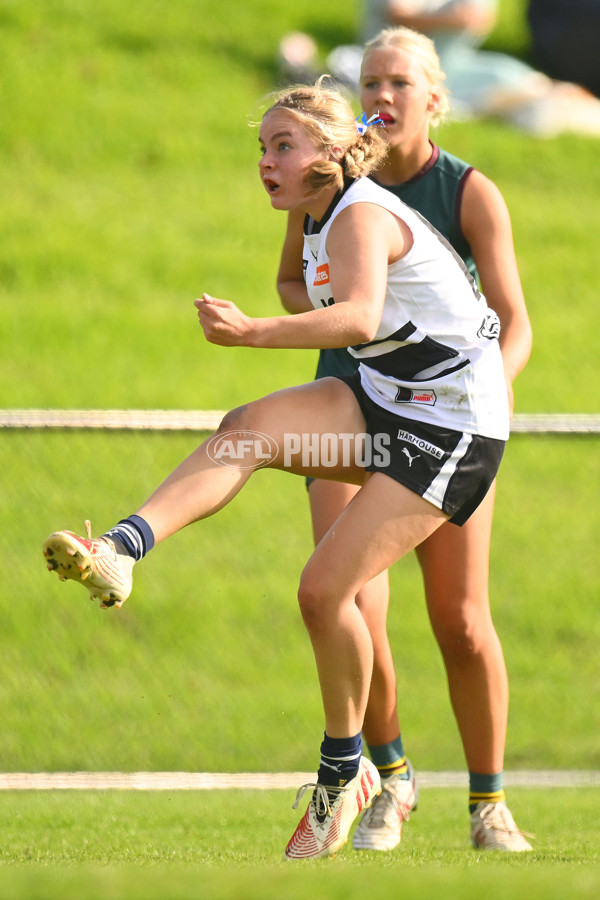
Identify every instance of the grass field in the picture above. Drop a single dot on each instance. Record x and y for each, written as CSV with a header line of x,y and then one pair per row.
x,y
83,846
129,186
210,649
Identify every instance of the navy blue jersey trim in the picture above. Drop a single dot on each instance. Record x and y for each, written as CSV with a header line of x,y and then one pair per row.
x,y
311,226
406,363
402,334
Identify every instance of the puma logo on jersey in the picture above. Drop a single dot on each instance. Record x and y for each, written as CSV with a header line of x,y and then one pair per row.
x,y
322,274
405,395
411,459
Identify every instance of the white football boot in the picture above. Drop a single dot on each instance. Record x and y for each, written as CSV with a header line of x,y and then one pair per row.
x,y
381,826
325,826
493,828
93,562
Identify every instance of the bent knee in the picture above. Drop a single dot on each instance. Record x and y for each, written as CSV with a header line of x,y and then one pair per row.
x,y
309,600
240,442
315,600
238,419
464,636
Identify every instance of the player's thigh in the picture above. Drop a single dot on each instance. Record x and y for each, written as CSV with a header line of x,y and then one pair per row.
x,y
383,522
311,429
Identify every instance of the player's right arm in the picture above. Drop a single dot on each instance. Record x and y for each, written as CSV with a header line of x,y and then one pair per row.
x,y
486,225
290,277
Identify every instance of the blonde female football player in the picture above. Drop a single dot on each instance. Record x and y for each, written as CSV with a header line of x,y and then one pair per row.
x,y
402,82
481,82
381,281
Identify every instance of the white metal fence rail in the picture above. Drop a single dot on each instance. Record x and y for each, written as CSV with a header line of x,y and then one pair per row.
x,y
208,420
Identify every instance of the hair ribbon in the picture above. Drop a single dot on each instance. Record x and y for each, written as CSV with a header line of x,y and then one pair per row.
x,y
362,123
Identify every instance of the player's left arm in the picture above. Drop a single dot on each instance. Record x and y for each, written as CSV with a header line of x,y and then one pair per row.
x,y
486,225
362,242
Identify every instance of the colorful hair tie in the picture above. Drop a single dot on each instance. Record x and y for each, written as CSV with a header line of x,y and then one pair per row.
x,y
362,123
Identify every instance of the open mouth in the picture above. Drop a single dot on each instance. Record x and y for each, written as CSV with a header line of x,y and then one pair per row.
x,y
386,119
270,185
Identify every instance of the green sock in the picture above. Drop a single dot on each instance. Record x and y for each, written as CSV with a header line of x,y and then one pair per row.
x,y
390,759
485,789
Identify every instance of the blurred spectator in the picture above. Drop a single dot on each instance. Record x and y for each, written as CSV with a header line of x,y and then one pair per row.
x,y
480,82
566,39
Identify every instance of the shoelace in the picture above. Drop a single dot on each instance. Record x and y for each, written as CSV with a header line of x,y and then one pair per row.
x,y
496,815
109,543
320,797
386,801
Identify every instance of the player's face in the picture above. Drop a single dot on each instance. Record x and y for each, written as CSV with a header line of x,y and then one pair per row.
x,y
288,153
393,83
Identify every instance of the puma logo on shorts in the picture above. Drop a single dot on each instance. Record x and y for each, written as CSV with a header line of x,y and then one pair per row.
x,y
423,445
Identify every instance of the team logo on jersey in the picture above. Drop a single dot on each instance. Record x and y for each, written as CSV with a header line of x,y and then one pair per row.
x,y
405,395
490,326
420,443
322,275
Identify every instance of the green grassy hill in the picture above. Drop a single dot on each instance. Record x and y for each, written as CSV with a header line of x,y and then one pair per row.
x,y
129,186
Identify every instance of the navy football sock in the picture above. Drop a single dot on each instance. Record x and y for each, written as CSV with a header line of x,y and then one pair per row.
x,y
134,535
340,759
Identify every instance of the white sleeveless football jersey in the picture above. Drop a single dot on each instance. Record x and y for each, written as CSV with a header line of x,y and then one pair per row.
x,y
435,357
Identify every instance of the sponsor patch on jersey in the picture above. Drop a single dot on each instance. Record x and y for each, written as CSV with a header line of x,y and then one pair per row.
x,y
405,395
422,444
322,275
